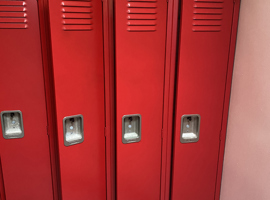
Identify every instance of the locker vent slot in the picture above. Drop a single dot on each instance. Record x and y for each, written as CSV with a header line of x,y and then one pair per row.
x,y
207,15
141,15
77,15
13,14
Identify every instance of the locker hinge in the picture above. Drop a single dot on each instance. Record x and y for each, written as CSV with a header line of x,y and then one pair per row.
x,y
105,131
161,133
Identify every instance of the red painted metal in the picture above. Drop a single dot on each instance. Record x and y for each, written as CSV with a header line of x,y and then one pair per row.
x,y
141,5
77,21
108,27
26,161
77,3
12,3
12,9
202,70
13,26
140,65
76,10
13,14
169,87
227,97
79,89
77,16
13,20
50,97
142,17
2,187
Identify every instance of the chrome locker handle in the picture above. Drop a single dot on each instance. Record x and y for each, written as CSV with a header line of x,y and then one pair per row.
x,y
12,124
190,128
73,130
131,128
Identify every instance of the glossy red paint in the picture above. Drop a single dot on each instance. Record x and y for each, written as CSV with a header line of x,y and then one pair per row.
x,y
50,96
227,97
169,87
201,81
140,67
2,187
26,161
109,96
79,89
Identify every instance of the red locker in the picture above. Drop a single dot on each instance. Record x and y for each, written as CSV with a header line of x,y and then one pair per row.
x,y
2,189
108,24
77,58
205,45
24,145
169,90
140,47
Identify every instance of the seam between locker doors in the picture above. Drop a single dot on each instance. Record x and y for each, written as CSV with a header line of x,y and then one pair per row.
x,y
172,92
163,104
105,100
45,64
178,50
107,56
45,40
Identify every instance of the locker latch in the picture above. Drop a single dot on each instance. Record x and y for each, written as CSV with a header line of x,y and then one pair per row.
x,y
190,128
73,130
12,124
131,125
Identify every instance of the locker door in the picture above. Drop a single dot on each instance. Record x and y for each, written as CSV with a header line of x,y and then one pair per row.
x,y
140,32
2,189
202,69
77,51
24,146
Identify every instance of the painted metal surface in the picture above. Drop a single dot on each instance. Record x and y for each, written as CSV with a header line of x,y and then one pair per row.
x,y
108,26
2,188
201,80
169,87
13,14
140,65
79,89
26,161
50,96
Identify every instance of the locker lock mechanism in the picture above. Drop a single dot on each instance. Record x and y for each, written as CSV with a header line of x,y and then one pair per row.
x,y
190,128
73,130
131,125
12,124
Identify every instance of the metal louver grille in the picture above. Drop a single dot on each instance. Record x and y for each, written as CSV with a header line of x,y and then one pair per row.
x,y
207,15
13,14
77,15
141,15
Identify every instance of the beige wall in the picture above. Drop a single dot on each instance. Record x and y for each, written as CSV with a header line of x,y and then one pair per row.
x,y
246,173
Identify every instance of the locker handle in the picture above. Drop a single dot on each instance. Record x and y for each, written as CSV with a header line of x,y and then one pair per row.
x,y
190,128
131,128
73,130
12,124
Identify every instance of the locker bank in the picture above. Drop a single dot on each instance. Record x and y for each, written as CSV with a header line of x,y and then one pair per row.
x,y
114,99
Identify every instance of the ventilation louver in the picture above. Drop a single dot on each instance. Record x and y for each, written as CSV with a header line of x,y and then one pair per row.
x,y
77,15
13,14
141,15
207,15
